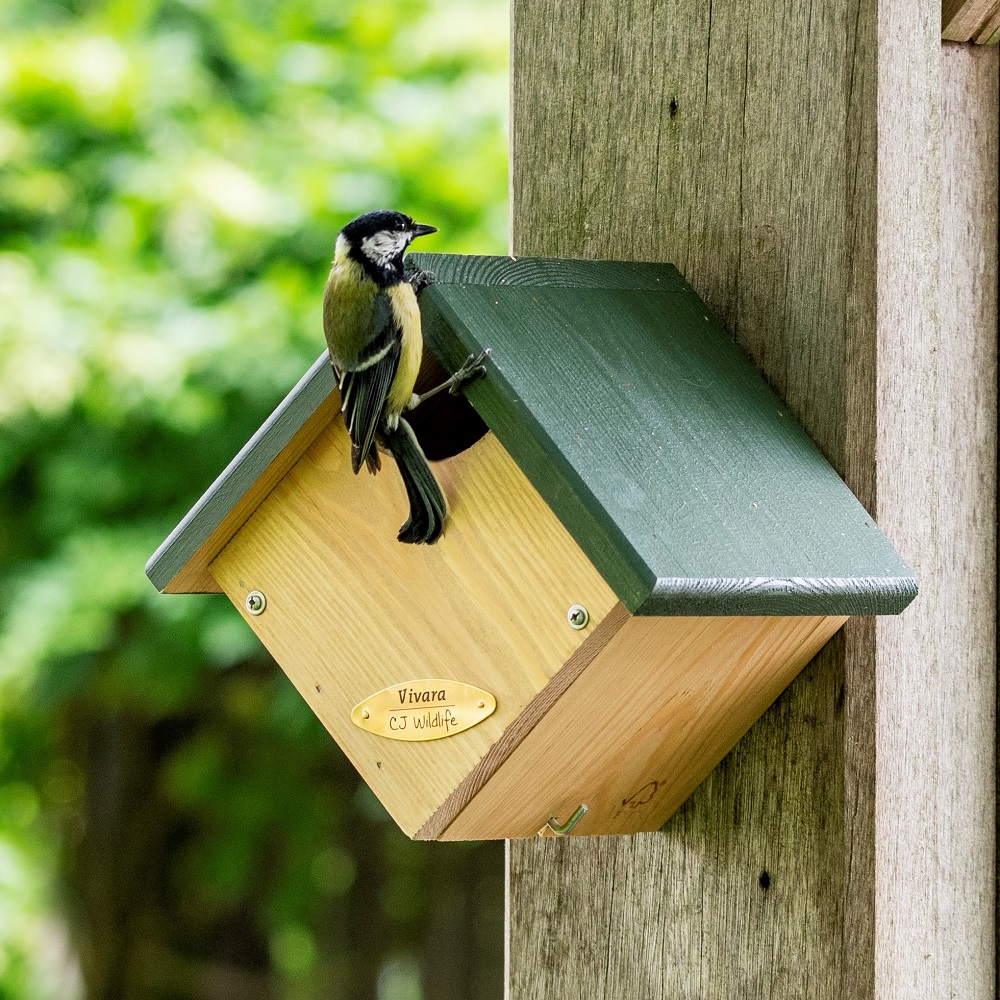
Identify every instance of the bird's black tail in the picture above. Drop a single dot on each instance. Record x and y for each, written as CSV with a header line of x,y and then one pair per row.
x,y
428,507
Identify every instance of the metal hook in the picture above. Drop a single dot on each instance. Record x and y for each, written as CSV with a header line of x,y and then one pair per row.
x,y
566,828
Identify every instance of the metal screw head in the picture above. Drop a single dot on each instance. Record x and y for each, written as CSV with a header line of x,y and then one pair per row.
x,y
577,616
256,602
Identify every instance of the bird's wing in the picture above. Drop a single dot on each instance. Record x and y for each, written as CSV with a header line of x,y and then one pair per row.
x,y
363,389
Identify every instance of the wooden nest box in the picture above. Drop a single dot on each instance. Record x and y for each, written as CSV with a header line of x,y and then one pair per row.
x,y
644,549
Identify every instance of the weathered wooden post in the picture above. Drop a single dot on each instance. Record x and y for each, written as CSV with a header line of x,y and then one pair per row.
x,y
826,178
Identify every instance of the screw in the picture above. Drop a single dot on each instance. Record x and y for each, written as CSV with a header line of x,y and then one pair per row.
x,y
256,602
365,713
577,616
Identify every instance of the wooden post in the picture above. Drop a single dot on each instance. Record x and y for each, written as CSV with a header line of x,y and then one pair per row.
x,y
826,178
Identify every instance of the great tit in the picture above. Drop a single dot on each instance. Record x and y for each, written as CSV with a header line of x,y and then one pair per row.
x,y
372,324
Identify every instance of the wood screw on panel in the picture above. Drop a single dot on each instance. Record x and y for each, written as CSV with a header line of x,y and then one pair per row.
x,y
256,602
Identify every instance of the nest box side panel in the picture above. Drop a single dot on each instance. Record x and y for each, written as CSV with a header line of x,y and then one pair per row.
x,y
644,724
351,611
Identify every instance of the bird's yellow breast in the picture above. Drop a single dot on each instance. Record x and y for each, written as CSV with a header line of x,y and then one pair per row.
x,y
406,312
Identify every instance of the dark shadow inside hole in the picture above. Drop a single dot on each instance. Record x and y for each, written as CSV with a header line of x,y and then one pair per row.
x,y
445,424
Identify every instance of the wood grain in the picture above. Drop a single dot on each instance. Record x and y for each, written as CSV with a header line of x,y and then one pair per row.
x,y
683,132
546,272
644,724
350,610
971,21
533,714
935,757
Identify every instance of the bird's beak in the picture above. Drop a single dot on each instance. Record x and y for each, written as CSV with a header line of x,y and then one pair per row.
x,y
419,229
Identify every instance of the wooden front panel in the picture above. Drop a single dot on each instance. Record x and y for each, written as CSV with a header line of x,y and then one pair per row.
x,y
644,724
350,610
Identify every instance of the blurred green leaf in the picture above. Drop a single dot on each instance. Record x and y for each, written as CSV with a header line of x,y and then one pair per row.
x,y
172,177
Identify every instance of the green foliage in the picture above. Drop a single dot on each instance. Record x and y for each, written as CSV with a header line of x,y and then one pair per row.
x,y
172,177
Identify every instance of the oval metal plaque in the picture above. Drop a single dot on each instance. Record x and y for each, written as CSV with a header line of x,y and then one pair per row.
x,y
427,709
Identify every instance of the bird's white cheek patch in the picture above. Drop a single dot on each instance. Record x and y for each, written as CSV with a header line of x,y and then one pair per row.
x,y
383,247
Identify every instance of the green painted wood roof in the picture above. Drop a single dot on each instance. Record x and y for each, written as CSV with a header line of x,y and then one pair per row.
x,y
647,430
656,441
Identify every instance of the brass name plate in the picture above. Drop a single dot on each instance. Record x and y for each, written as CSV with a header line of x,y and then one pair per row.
x,y
428,709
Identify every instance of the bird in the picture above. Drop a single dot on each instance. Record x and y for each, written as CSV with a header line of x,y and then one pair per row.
x,y
372,325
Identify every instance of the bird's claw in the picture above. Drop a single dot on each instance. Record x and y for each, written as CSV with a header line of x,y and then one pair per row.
x,y
473,368
419,280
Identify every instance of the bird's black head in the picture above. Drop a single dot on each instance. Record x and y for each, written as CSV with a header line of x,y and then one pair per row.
x,y
377,241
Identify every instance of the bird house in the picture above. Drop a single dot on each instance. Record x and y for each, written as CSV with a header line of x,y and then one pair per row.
x,y
643,550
